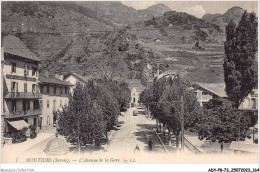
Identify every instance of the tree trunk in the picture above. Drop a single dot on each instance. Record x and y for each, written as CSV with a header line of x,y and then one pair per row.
x,y
157,125
163,130
169,135
177,142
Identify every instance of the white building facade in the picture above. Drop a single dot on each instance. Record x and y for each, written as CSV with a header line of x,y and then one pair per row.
x,y
20,83
55,95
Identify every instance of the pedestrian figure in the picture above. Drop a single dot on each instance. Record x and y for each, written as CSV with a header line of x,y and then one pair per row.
x,y
137,149
221,146
150,144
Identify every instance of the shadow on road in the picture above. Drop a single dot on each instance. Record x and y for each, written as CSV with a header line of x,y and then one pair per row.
x,y
145,132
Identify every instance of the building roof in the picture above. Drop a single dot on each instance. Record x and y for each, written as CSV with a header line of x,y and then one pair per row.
x,y
13,45
52,80
215,88
79,77
166,73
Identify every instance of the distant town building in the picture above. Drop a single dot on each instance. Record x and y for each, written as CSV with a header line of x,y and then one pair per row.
x,y
55,95
166,74
136,88
250,103
21,104
74,78
206,91
157,40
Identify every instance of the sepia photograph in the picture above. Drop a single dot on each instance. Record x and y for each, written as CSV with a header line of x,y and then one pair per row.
x,y
129,82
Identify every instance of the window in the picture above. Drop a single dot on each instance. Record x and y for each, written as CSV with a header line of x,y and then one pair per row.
x,y
60,103
25,87
41,103
54,102
66,91
14,106
26,70
13,86
34,88
60,90
24,106
54,90
204,93
41,89
34,71
35,121
253,103
48,89
36,105
13,69
48,103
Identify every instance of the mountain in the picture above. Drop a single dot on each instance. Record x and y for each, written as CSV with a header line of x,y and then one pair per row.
x,y
177,27
71,38
47,27
122,15
233,13
155,10
210,17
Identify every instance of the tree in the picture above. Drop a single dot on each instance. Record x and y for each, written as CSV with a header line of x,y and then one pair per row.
x,y
147,74
222,122
163,98
82,121
92,111
240,65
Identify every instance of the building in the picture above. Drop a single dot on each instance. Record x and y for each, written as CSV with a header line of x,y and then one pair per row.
x,y
73,79
20,84
166,74
250,102
206,91
136,88
55,95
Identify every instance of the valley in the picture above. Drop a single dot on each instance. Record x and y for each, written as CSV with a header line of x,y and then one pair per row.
x,y
99,43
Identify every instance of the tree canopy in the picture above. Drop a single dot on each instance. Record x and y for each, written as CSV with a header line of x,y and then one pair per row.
x,y
222,122
93,110
240,64
163,99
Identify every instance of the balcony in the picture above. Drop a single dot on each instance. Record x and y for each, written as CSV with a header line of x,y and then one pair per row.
x,y
23,113
23,95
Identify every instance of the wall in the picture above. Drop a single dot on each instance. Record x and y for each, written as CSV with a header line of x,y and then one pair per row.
x,y
250,102
47,112
203,98
20,78
73,80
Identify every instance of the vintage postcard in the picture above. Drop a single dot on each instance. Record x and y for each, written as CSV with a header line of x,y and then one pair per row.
x,y
111,82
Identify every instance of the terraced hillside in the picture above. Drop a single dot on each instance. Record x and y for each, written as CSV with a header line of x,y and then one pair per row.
x,y
69,37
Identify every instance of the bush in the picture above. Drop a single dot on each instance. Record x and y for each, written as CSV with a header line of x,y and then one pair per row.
x,y
17,136
123,109
33,134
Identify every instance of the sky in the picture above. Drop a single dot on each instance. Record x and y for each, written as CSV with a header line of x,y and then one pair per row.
x,y
197,8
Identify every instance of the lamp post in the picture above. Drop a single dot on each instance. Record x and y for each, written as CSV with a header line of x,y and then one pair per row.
x,y
182,124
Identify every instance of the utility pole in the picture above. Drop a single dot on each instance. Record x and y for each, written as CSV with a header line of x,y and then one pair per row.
x,y
182,124
78,133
